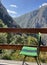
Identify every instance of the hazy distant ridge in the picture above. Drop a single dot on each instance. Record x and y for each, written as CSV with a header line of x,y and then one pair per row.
x,y
35,19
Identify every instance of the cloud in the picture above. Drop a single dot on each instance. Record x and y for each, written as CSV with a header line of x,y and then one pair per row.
x,y
42,5
11,12
13,5
13,16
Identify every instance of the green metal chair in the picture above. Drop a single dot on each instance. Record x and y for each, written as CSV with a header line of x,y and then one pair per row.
x,y
32,51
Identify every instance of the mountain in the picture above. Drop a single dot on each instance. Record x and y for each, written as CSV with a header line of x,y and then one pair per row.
x,y
34,19
6,18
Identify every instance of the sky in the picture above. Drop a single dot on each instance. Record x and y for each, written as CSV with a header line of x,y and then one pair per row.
x,y
17,8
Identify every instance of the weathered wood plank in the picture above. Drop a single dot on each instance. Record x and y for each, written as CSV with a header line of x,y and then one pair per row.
x,y
19,47
24,30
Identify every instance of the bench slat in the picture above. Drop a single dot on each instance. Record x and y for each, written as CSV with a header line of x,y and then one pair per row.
x,y
29,51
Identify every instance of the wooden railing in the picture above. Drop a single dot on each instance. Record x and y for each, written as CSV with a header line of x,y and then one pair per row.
x,y
14,30
25,30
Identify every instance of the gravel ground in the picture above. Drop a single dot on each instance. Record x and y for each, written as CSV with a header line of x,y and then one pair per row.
x,y
10,62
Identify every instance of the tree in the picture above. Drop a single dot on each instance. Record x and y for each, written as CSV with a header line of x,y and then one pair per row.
x,y
3,36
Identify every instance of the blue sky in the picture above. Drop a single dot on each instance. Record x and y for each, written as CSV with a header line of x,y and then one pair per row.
x,y
19,7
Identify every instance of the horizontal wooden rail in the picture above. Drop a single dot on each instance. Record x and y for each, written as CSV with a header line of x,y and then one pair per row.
x,y
24,30
21,30
19,47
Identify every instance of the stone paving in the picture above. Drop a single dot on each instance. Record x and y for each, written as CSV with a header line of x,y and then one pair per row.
x,y
10,62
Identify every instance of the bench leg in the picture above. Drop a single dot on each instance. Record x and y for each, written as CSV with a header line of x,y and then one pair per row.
x,y
24,61
38,60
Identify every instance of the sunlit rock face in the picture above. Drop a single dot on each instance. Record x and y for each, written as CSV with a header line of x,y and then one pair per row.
x,y
34,19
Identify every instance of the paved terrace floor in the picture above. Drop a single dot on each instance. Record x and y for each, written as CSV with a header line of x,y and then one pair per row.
x,y
10,62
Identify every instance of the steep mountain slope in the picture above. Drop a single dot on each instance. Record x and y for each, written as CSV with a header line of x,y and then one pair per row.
x,y
7,20
35,19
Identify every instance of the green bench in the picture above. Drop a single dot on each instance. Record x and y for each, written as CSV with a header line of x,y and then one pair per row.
x,y
29,51
32,51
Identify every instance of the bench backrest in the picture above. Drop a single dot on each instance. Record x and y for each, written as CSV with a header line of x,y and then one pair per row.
x,y
32,51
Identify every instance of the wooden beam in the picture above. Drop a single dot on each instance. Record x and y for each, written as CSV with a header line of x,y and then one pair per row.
x,y
23,30
19,47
